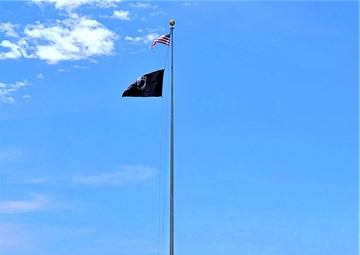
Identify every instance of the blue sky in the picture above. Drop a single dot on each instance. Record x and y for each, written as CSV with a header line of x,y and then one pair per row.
x,y
266,128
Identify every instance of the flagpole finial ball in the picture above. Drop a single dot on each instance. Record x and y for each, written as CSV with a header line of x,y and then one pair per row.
x,y
172,22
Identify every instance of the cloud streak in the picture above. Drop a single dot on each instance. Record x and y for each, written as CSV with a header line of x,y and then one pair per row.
x,y
142,39
11,154
128,174
141,5
15,237
38,202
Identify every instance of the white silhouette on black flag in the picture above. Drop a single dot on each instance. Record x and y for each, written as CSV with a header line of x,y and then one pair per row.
x,y
148,85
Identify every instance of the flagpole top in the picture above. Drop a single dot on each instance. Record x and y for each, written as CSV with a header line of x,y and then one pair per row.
x,y
172,22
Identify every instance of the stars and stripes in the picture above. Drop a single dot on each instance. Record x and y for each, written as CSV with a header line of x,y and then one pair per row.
x,y
164,39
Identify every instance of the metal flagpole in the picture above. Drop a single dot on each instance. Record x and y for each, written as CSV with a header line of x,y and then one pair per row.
x,y
172,23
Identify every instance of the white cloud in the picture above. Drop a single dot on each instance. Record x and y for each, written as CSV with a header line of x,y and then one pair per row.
x,y
190,4
157,13
27,97
122,15
142,39
128,174
7,89
70,5
133,39
40,76
10,100
14,50
141,5
153,30
74,38
80,67
8,28
186,4
38,202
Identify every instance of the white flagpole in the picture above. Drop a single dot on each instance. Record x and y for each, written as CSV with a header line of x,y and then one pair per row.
x,y
172,23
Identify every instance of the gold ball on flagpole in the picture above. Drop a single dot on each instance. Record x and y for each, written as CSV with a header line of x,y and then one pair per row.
x,y
172,22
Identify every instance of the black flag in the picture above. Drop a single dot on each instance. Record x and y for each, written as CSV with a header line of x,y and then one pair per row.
x,y
148,85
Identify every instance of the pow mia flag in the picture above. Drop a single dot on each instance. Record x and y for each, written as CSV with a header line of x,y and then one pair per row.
x,y
148,85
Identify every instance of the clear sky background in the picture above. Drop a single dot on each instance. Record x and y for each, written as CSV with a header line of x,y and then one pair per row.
x,y
266,128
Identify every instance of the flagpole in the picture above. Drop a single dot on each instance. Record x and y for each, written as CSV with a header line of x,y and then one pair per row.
x,y
172,23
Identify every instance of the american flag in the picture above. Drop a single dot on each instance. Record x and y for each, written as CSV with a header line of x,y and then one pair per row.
x,y
164,39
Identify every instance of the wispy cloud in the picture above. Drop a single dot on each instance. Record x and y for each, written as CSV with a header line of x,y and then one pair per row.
x,y
38,202
81,67
70,5
122,15
186,4
14,50
26,98
8,29
142,5
40,76
151,30
7,90
142,39
13,154
15,237
127,175
157,13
